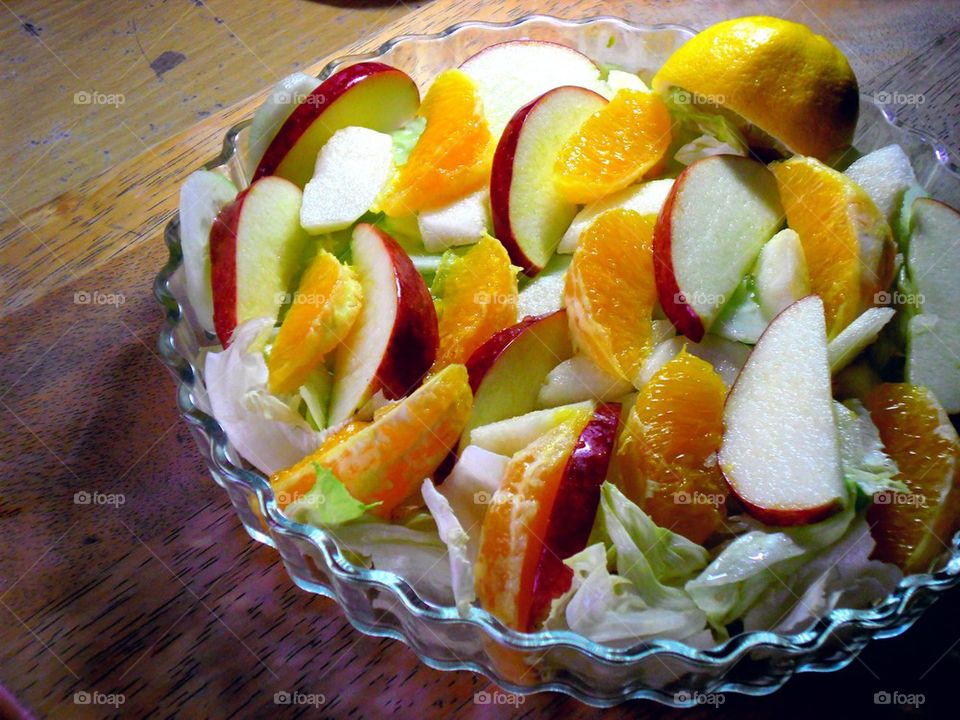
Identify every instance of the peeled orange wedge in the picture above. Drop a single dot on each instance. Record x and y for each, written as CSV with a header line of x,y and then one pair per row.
x,y
910,529
610,292
453,155
793,85
324,309
846,240
478,297
386,461
667,457
614,147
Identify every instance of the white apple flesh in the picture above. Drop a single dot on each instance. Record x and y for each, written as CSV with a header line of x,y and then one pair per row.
x,y
781,273
933,336
462,222
394,340
780,452
202,196
856,336
578,379
885,174
529,215
352,168
720,212
511,435
511,74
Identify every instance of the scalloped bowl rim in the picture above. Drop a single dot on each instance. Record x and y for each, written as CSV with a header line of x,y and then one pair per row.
x,y
886,619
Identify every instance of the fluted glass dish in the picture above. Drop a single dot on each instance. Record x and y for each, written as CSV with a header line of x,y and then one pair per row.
x,y
383,604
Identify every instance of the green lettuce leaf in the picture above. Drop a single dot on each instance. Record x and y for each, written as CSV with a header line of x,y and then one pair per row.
x,y
327,503
866,467
643,597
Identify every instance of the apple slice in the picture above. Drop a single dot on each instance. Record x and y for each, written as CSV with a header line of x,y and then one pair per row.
x,y
511,74
202,196
579,378
781,273
933,336
885,174
462,222
505,437
256,249
720,212
856,336
352,168
780,452
529,215
544,293
273,113
541,514
394,340
506,372
368,94
646,198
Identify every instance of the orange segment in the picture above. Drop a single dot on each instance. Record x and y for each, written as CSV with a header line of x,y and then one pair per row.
x,y
667,458
453,155
610,292
846,240
478,297
324,309
291,484
386,460
516,523
614,147
912,529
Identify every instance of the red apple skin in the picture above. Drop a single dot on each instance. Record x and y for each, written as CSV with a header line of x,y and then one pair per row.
x,y
501,175
786,517
223,267
303,116
415,337
682,315
486,355
574,508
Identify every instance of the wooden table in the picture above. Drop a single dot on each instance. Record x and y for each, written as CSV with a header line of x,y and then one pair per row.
x,y
164,598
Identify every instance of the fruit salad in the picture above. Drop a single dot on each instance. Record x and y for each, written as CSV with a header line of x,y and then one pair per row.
x,y
631,352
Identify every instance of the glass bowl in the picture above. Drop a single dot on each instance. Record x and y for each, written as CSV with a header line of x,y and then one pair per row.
x,y
383,604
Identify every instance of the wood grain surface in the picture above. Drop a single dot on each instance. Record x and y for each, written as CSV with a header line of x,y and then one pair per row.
x,y
159,596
